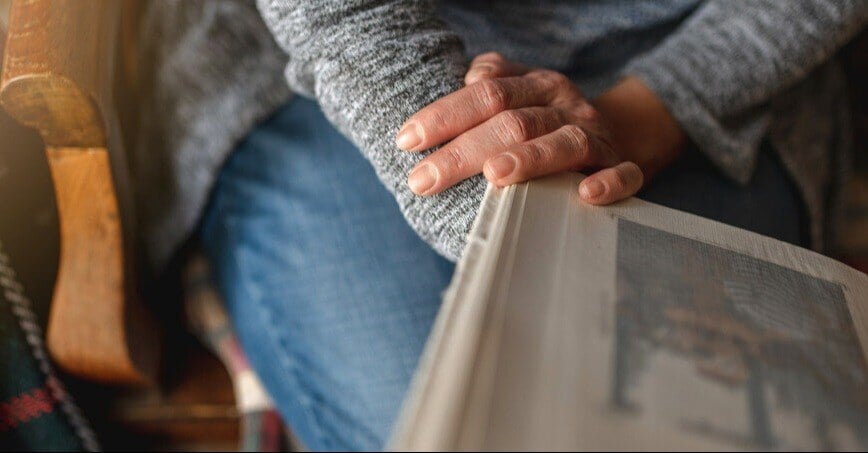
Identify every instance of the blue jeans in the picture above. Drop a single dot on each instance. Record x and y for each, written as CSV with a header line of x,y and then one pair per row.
x,y
333,295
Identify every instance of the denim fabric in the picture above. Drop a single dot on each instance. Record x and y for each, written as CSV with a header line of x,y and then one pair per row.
x,y
333,295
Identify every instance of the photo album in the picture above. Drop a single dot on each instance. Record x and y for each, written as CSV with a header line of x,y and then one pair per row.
x,y
638,327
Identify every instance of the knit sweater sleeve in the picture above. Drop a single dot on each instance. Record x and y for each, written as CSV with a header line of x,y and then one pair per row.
x,y
718,71
371,64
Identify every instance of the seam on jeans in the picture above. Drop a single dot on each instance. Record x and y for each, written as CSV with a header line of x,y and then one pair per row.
x,y
289,365
285,360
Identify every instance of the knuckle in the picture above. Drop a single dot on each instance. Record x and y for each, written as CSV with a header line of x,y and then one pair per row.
x,y
532,157
432,121
452,160
586,112
540,75
490,57
577,140
555,79
493,95
561,81
560,86
517,125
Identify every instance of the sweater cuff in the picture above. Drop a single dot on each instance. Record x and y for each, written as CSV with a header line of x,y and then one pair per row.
x,y
731,144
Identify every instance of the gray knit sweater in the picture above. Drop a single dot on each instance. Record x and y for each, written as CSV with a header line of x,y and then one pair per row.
x,y
733,73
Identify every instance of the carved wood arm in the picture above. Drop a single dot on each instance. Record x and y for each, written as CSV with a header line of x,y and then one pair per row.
x,y
59,77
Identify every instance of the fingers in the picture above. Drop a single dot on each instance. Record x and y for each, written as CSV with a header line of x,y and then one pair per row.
x,y
568,148
468,107
464,156
493,65
612,184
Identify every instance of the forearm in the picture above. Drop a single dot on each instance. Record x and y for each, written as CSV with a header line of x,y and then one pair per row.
x,y
370,65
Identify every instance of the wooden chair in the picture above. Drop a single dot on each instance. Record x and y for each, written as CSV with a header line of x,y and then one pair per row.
x,y
63,74
69,71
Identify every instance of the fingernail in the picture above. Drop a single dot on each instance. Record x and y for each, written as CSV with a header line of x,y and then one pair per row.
x,y
422,179
592,189
501,166
409,137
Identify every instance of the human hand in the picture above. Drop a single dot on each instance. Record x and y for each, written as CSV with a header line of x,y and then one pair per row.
x,y
513,123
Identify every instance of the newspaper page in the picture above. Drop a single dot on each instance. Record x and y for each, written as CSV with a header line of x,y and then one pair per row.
x,y
637,327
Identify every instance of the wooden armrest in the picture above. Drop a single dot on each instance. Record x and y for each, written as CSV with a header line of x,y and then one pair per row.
x,y
58,77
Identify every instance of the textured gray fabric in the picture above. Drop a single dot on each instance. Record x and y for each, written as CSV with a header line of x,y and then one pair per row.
x,y
214,72
371,64
733,73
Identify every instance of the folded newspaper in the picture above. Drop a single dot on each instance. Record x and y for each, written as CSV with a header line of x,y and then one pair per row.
x,y
637,327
